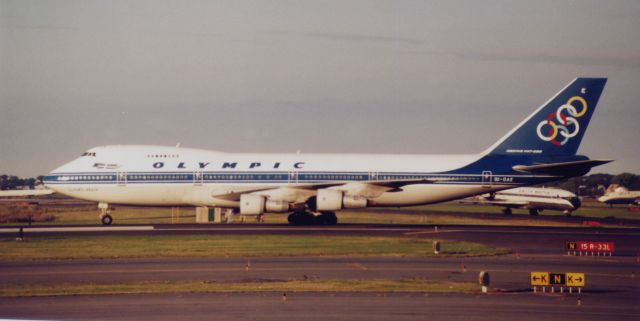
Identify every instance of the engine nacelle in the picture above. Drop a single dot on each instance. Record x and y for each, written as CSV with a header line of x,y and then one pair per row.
x,y
333,200
354,202
252,204
276,206
257,204
329,200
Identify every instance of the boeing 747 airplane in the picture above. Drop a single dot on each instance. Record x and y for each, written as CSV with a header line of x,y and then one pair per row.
x,y
312,187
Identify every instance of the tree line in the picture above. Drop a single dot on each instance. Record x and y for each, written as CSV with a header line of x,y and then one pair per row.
x,y
596,184
14,182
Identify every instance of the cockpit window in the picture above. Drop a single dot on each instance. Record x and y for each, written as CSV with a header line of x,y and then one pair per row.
x,y
93,154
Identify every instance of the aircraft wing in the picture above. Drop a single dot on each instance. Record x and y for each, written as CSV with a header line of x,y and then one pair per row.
x,y
367,189
392,184
26,192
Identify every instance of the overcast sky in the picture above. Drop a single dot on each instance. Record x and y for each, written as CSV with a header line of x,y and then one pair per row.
x,y
321,76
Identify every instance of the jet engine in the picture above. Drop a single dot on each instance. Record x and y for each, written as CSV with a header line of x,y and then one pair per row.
x,y
332,200
258,204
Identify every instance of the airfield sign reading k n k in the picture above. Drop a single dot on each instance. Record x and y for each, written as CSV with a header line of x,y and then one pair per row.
x,y
570,280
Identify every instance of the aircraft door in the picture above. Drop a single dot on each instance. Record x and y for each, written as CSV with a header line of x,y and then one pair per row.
x,y
121,178
198,177
486,178
293,177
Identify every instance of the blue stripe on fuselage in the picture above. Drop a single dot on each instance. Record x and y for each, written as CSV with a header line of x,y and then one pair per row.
x,y
280,177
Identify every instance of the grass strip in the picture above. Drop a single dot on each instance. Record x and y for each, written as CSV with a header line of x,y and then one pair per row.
x,y
376,285
208,245
436,218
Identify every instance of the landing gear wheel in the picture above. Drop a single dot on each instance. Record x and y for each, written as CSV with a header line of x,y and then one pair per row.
x,y
533,212
567,213
327,218
506,211
106,219
301,218
308,218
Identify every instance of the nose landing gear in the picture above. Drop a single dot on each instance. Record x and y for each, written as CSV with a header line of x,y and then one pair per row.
x,y
105,214
106,219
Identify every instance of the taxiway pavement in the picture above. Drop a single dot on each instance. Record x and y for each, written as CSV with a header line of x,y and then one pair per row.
x,y
612,290
324,306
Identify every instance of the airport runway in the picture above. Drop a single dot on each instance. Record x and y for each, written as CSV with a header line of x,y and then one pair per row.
x,y
509,273
520,239
612,291
324,306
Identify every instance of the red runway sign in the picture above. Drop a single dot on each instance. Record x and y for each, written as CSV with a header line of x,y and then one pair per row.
x,y
591,247
596,246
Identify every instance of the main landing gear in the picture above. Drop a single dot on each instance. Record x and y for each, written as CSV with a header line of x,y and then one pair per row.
x,y
533,211
309,218
105,214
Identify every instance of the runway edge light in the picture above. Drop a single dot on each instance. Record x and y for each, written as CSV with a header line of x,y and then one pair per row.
x,y
485,280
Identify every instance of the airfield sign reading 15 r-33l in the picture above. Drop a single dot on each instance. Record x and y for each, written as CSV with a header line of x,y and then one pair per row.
x,y
590,248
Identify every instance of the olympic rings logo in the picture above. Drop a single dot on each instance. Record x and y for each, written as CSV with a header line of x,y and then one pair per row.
x,y
559,134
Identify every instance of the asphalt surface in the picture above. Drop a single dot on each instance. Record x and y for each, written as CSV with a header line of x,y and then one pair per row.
x,y
323,306
509,273
541,240
612,289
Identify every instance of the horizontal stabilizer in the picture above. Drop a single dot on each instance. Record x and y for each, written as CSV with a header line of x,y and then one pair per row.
x,y
576,168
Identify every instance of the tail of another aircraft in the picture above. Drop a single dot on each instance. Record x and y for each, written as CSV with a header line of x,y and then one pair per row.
x,y
557,127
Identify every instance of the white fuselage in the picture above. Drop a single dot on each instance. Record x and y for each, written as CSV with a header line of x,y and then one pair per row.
x,y
537,198
172,176
539,149
621,196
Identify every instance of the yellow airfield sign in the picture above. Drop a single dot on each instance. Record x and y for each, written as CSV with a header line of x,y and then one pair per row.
x,y
574,279
569,279
540,278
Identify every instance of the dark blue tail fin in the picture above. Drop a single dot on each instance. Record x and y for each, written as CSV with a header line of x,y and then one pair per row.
x,y
556,128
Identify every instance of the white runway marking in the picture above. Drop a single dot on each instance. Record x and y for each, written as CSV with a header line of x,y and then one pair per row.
x,y
77,229
288,229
